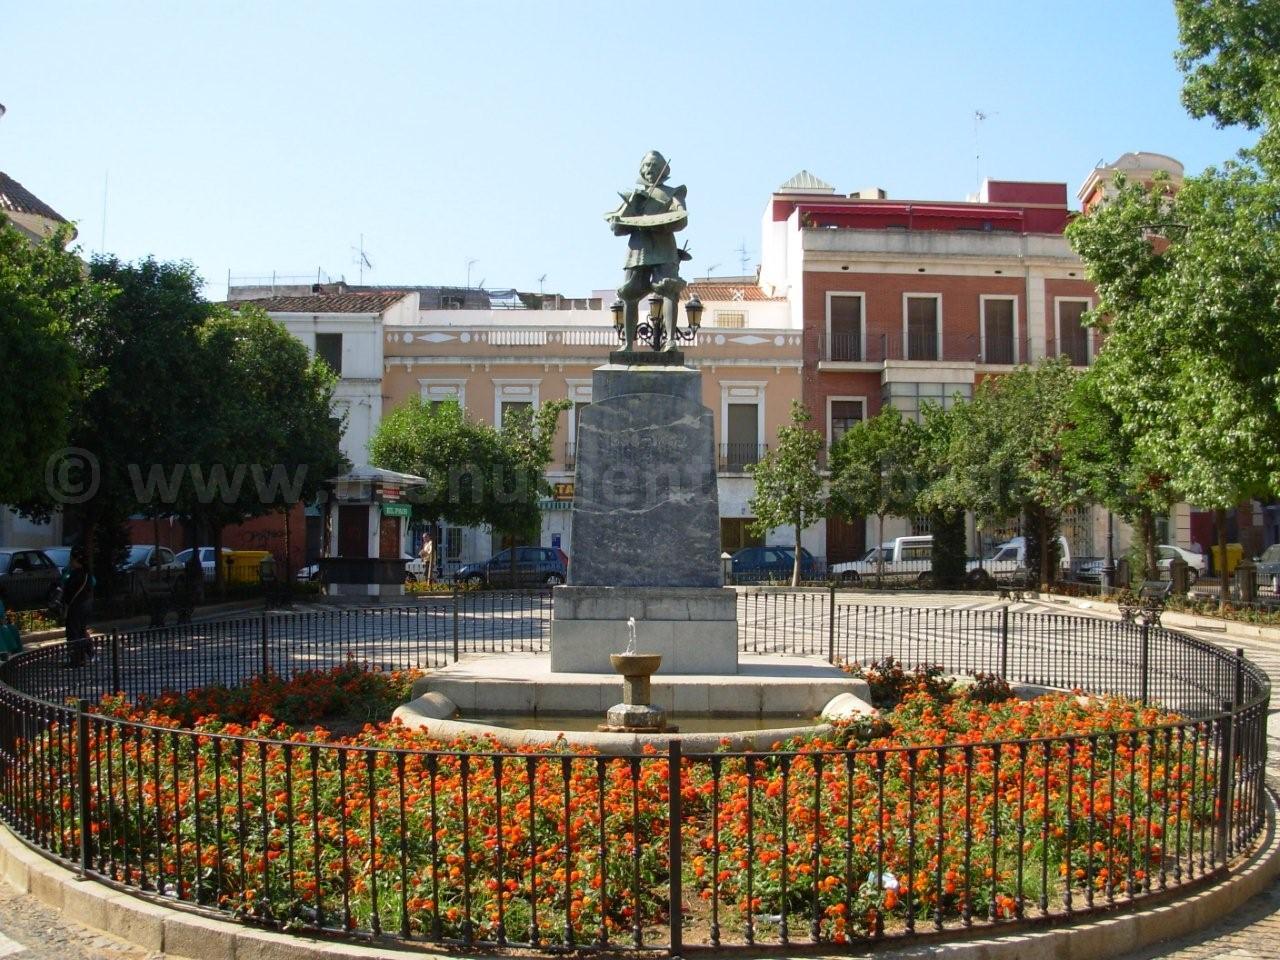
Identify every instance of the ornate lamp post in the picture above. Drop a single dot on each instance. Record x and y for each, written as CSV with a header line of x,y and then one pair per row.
x,y
1109,565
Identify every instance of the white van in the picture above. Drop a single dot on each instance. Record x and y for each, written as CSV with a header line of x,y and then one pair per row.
x,y
903,558
1009,558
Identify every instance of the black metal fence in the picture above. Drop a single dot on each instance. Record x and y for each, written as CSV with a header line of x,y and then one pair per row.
x,y
489,848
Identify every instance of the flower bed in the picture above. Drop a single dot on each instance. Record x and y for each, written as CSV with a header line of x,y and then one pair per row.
x,y
944,810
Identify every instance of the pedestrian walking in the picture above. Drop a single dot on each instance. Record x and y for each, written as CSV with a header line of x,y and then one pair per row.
x,y
78,596
428,555
10,635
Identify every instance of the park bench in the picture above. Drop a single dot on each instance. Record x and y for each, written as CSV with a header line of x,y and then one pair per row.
x,y
1148,603
1015,586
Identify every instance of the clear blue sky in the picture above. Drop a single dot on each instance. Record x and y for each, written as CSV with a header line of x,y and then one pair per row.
x,y
258,137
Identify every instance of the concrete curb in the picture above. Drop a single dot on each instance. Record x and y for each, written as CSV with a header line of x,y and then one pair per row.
x,y
1170,618
178,933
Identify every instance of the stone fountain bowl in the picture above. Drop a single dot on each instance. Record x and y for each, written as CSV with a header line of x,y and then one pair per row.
x,y
636,664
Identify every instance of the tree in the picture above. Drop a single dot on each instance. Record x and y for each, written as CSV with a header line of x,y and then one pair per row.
x,y
456,457
946,517
1227,54
788,484
474,474
1188,303
270,429
43,290
874,470
1005,455
524,445
137,406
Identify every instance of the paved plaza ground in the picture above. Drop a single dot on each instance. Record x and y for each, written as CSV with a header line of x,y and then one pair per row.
x,y
31,931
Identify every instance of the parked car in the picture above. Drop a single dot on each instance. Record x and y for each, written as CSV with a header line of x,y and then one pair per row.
x,y
1269,567
28,578
1008,559
754,564
149,571
534,565
207,563
901,558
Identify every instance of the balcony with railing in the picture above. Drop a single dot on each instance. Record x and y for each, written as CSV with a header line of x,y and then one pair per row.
x,y
838,349
736,457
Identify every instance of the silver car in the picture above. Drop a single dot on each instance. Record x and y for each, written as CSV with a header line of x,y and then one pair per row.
x,y
27,578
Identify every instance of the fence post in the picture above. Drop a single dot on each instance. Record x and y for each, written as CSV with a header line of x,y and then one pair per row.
x,y
1144,662
82,782
266,652
831,626
1226,756
675,816
1004,642
1239,687
455,621
115,662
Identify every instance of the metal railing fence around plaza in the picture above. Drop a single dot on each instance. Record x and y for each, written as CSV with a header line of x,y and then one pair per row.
x,y
471,845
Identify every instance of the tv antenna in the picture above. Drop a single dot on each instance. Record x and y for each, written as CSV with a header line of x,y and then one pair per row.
x,y
744,258
361,258
541,280
711,269
978,117
471,262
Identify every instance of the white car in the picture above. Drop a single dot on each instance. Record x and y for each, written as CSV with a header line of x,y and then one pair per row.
x,y
206,561
1008,558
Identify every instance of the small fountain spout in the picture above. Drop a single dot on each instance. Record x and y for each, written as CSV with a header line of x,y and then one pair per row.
x,y
631,635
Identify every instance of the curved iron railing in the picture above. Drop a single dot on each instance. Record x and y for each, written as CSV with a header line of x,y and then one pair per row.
x,y
487,847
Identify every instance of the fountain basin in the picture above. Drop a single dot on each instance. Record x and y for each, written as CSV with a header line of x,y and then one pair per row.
x,y
772,697
636,664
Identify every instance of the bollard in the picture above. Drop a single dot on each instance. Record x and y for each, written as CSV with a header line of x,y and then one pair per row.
x,y
1247,581
1179,580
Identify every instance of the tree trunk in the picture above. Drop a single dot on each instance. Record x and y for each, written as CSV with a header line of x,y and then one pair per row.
x,y
287,582
1147,519
219,572
795,567
1224,581
880,549
1046,549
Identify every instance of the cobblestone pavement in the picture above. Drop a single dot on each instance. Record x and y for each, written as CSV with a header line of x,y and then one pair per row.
x,y
31,931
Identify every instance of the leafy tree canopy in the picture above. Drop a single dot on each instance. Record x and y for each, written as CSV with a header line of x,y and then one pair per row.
x,y
789,486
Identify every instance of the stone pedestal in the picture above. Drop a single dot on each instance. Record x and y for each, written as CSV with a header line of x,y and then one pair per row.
x,y
646,530
694,629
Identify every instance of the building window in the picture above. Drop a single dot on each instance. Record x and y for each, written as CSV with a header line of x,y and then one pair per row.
x,y
921,328
329,349
436,392
843,413
580,396
729,318
741,425
999,330
1073,335
909,398
511,395
844,326
735,533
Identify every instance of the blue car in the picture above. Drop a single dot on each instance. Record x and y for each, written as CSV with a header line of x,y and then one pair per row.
x,y
534,566
763,564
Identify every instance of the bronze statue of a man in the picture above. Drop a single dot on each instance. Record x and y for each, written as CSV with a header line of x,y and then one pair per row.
x,y
650,215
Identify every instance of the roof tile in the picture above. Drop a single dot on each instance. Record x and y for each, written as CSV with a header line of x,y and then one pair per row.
x,y
325,303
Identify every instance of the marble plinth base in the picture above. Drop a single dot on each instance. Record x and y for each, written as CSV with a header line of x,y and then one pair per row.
x,y
645,507
694,629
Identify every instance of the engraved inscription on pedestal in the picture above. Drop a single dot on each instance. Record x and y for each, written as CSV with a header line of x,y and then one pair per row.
x,y
646,511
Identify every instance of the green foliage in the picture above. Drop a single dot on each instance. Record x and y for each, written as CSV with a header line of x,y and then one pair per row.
x,y
1227,54
874,467
789,487
475,474
1193,348
42,291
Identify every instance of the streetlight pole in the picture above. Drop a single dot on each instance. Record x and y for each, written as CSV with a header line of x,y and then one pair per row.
x,y
1109,565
